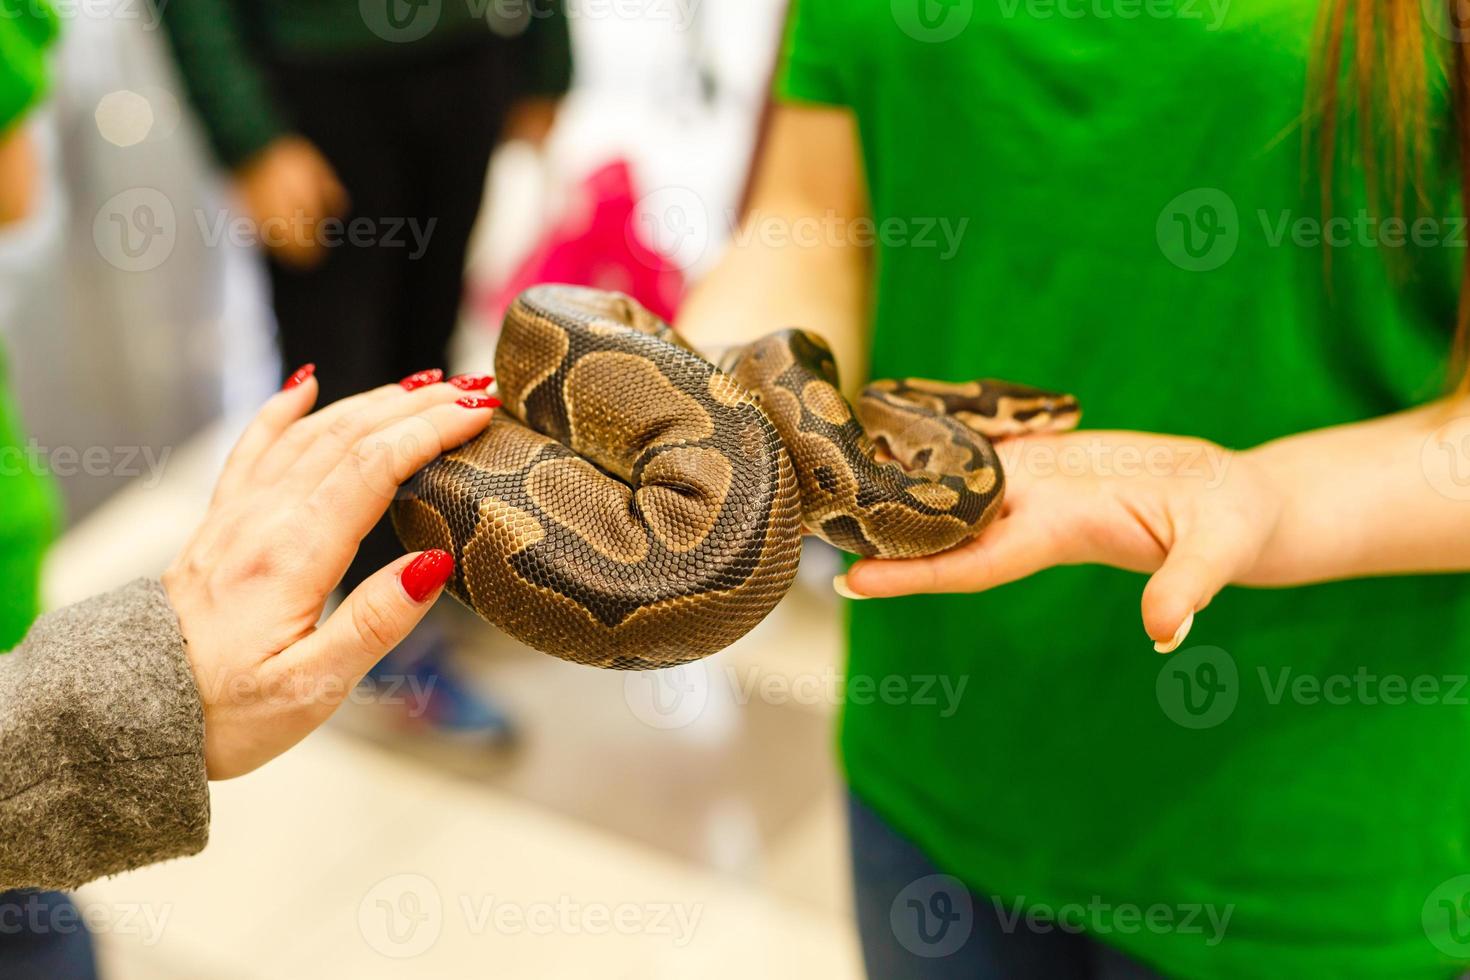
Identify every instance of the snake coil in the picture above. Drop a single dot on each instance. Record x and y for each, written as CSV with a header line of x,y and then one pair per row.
x,y
633,506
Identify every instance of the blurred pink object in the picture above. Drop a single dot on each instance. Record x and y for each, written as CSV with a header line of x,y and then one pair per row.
x,y
597,243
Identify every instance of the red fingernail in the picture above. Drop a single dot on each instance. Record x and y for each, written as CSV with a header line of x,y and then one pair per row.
x,y
420,378
426,574
479,401
472,382
300,375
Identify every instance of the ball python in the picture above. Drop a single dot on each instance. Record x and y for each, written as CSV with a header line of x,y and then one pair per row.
x,y
634,506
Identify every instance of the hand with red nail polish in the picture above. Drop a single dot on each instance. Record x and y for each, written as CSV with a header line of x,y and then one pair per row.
x,y
295,499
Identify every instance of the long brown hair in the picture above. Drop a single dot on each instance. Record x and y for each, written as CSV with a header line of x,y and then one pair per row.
x,y
1386,75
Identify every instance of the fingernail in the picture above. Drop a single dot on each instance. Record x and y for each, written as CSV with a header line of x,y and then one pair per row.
x,y
1179,636
472,382
298,376
420,378
840,586
427,574
479,401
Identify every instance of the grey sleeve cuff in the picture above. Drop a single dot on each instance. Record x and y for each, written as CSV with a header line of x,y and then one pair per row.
x,y
101,743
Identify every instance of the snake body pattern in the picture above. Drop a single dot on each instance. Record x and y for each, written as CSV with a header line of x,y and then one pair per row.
x,y
633,506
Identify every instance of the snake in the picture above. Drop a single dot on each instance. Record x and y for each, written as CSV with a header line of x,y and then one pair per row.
x,y
634,505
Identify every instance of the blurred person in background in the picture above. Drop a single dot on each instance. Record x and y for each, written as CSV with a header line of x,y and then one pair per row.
x,y
1051,203
116,711
358,135
29,505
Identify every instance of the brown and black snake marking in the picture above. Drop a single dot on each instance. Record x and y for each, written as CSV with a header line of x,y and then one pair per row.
x,y
634,507
911,472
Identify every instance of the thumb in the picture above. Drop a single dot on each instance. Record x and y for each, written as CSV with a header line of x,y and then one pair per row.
x,y
1202,562
378,615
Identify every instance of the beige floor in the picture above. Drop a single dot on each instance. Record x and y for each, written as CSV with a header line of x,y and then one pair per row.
x,y
679,824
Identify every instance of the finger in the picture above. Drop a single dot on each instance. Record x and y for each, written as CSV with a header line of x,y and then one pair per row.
x,y
1201,563
342,436
1018,456
275,417
357,492
304,434
372,620
1010,549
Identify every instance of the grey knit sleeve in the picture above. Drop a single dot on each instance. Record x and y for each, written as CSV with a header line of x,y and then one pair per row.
x,y
101,743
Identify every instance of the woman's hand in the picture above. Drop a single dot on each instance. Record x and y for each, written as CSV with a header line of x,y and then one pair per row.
x,y
296,497
1195,515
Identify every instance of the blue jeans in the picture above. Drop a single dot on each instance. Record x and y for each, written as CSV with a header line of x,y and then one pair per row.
x,y
917,923
43,937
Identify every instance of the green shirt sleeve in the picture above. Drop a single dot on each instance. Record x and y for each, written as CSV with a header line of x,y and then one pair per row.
x,y
30,511
28,502
817,57
26,32
225,84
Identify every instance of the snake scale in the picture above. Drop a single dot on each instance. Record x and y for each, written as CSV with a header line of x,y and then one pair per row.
x,y
633,506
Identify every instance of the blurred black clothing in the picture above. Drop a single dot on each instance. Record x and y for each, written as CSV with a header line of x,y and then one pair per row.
x,y
411,145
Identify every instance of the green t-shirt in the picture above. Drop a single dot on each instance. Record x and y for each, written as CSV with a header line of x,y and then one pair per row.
x,y
28,505
1108,198
28,518
27,28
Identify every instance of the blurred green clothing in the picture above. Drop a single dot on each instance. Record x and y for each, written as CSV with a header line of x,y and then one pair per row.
x,y
27,28
225,49
1111,202
29,510
28,502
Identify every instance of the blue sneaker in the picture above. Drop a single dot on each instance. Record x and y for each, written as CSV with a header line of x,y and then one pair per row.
x,y
420,682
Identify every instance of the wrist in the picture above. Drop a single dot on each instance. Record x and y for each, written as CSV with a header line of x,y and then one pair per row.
x,y
1292,551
